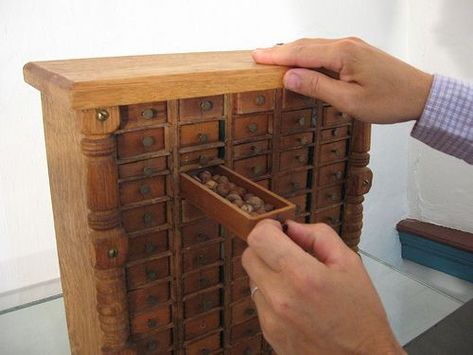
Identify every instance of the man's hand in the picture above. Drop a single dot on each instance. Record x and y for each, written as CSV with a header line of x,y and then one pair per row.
x,y
314,295
373,86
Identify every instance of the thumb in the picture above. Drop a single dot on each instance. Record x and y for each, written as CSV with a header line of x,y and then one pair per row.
x,y
315,84
320,240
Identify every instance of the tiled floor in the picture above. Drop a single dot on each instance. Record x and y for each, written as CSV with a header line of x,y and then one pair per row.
x,y
414,296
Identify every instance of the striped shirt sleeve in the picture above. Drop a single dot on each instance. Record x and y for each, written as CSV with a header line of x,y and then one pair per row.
x,y
446,123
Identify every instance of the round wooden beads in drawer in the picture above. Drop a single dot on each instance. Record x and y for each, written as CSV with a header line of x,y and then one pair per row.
x,y
237,195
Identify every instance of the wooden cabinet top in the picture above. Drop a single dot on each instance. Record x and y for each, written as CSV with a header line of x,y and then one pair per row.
x,y
98,82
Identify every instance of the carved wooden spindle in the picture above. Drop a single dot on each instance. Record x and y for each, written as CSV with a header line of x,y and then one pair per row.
x,y
359,178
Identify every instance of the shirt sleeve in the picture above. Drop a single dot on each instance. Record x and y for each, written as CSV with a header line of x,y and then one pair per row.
x,y
446,124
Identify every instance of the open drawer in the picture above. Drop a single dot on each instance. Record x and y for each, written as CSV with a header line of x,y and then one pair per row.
x,y
225,212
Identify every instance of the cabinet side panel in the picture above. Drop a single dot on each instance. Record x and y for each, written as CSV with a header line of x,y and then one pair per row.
x,y
68,182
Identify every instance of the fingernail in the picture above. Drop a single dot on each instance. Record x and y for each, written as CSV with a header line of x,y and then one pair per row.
x,y
292,81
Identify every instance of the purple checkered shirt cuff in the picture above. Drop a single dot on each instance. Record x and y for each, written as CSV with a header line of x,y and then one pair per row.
x,y
447,121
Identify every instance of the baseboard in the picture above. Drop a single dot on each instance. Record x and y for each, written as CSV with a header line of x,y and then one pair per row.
x,y
440,248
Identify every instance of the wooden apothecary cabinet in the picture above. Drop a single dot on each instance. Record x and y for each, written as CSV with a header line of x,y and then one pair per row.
x,y
143,271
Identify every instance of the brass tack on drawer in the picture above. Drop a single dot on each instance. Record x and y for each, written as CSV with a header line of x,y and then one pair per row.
x,y
250,311
256,149
206,105
152,323
260,100
205,351
332,197
257,170
303,140
145,189
203,159
203,137
113,253
149,113
151,346
148,171
150,248
300,158
152,300
203,282
148,141
248,351
151,275
147,218
207,305
301,121
102,115
252,127
338,174
335,132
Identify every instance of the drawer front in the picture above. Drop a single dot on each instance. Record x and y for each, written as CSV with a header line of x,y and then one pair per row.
x,y
190,212
238,246
333,117
331,174
243,311
255,101
250,149
147,245
334,133
264,183
202,302
148,297
330,196
244,330
155,343
294,159
252,167
140,142
150,271
200,157
199,133
201,257
240,289
237,269
151,320
300,202
200,232
330,216
248,347
143,168
202,324
292,100
139,218
290,183
251,126
293,121
143,189
297,140
333,151
202,279
204,346
141,115
201,108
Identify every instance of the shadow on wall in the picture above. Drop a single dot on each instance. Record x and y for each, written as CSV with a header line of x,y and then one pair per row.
x,y
453,32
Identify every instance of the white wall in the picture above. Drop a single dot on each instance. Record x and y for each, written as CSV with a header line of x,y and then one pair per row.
x,y
40,30
440,41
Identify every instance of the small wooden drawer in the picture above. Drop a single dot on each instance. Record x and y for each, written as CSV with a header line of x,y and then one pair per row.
x,y
248,347
252,167
141,115
333,151
293,121
334,133
199,232
149,271
329,196
237,269
228,214
190,212
244,330
155,343
199,133
201,279
204,346
243,311
140,142
202,324
151,320
247,127
297,140
250,149
144,217
201,108
300,202
333,117
142,168
291,183
240,289
202,302
200,157
294,159
330,216
331,174
238,246
254,101
147,245
194,259
143,189
265,183
149,297
292,100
